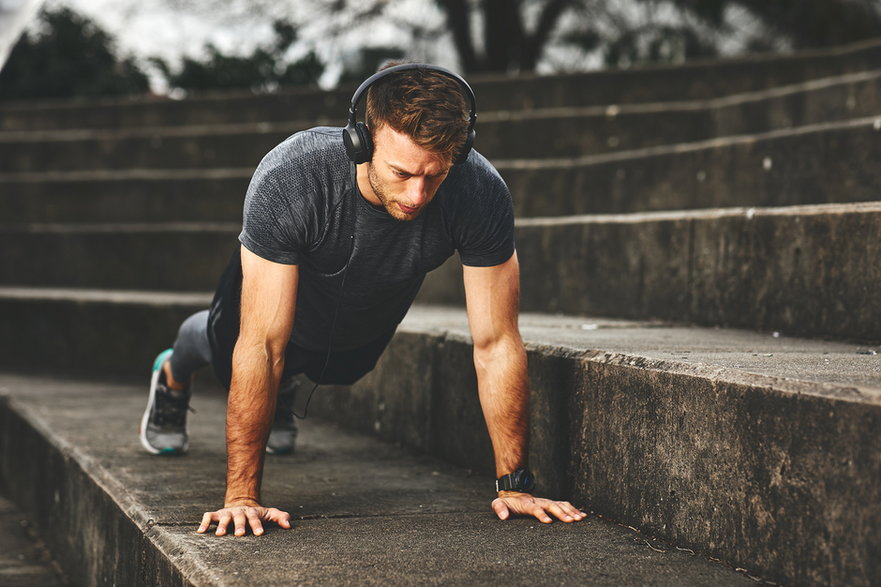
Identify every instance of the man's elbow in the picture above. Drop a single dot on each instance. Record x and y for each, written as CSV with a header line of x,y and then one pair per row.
x,y
269,350
494,349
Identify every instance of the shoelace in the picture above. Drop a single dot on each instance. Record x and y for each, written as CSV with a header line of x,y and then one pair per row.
x,y
170,409
284,411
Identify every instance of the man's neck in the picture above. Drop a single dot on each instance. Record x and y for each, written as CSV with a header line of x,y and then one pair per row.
x,y
364,185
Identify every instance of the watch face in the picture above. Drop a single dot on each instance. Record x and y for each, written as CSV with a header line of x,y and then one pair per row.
x,y
524,481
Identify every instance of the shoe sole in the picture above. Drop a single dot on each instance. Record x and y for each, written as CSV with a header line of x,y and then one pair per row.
x,y
275,451
142,429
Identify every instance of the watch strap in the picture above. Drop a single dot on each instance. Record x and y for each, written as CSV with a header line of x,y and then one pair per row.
x,y
519,480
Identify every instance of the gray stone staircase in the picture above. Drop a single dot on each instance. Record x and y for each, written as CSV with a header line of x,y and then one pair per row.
x,y
699,251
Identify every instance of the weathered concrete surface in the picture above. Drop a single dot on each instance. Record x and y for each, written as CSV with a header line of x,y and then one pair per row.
x,y
694,80
365,512
803,269
89,331
24,560
755,448
138,196
626,413
778,168
528,134
220,108
158,256
148,148
578,131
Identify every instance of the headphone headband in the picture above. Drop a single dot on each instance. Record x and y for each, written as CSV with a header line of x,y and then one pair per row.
x,y
359,144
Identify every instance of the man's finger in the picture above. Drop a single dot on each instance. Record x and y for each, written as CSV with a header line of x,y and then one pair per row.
x,y
561,513
541,514
576,513
240,520
501,509
206,522
223,521
254,520
571,510
281,518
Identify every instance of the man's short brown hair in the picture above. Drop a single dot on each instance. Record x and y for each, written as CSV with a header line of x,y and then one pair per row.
x,y
427,106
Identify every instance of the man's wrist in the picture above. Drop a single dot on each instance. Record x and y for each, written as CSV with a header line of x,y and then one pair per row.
x,y
240,501
518,481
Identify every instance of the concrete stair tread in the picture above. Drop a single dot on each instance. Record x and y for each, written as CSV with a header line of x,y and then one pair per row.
x,y
866,122
702,79
831,368
364,511
541,113
105,296
196,226
129,174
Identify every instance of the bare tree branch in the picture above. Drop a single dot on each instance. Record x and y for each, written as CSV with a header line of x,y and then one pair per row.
x,y
459,22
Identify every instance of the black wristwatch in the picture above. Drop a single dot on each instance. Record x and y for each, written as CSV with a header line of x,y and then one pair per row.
x,y
520,480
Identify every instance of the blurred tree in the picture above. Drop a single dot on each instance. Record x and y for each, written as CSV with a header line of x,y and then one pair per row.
x,y
68,56
368,61
518,35
508,44
817,23
265,69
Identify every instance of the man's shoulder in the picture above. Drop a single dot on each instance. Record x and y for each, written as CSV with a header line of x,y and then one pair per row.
x,y
312,155
321,143
475,176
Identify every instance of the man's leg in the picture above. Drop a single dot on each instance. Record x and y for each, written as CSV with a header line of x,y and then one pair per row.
x,y
163,427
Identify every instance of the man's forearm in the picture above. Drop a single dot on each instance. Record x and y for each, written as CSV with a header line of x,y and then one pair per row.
x,y
252,398
504,398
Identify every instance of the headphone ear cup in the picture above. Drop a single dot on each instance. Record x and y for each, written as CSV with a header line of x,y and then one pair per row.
x,y
466,148
359,142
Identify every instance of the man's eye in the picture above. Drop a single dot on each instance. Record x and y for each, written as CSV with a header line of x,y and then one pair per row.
x,y
402,174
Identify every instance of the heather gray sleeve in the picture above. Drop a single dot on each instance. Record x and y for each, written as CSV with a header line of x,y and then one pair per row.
x,y
278,217
484,225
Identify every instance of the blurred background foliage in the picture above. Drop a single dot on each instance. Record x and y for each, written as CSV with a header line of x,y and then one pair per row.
x,y
65,54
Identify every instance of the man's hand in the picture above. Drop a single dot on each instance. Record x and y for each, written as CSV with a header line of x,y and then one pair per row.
x,y
510,502
243,516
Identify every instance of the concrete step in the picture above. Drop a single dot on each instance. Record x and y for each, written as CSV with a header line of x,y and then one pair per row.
x,y
815,164
130,196
89,331
577,131
737,445
24,560
691,81
158,256
364,512
531,134
241,145
809,270
779,168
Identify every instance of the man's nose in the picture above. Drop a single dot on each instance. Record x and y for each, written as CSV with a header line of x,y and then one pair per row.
x,y
417,191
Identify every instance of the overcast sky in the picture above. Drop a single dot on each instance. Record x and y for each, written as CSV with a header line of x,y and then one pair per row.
x,y
171,28
153,28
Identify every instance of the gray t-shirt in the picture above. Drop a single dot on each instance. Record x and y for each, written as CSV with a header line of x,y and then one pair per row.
x,y
303,207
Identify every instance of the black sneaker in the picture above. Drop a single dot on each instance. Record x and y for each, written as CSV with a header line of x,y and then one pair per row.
x,y
163,429
283,436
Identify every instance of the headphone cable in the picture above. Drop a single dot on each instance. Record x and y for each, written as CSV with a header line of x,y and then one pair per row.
x,y
330,336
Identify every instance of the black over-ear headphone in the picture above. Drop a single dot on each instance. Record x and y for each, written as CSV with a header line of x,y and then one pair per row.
x,y
356,136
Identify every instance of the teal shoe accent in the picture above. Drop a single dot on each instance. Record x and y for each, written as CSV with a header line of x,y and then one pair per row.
x,y
161,358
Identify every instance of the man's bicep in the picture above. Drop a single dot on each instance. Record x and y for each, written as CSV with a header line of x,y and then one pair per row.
x,y
269,293
492,296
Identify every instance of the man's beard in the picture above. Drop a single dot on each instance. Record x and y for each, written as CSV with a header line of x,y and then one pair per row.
x,y
388,202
